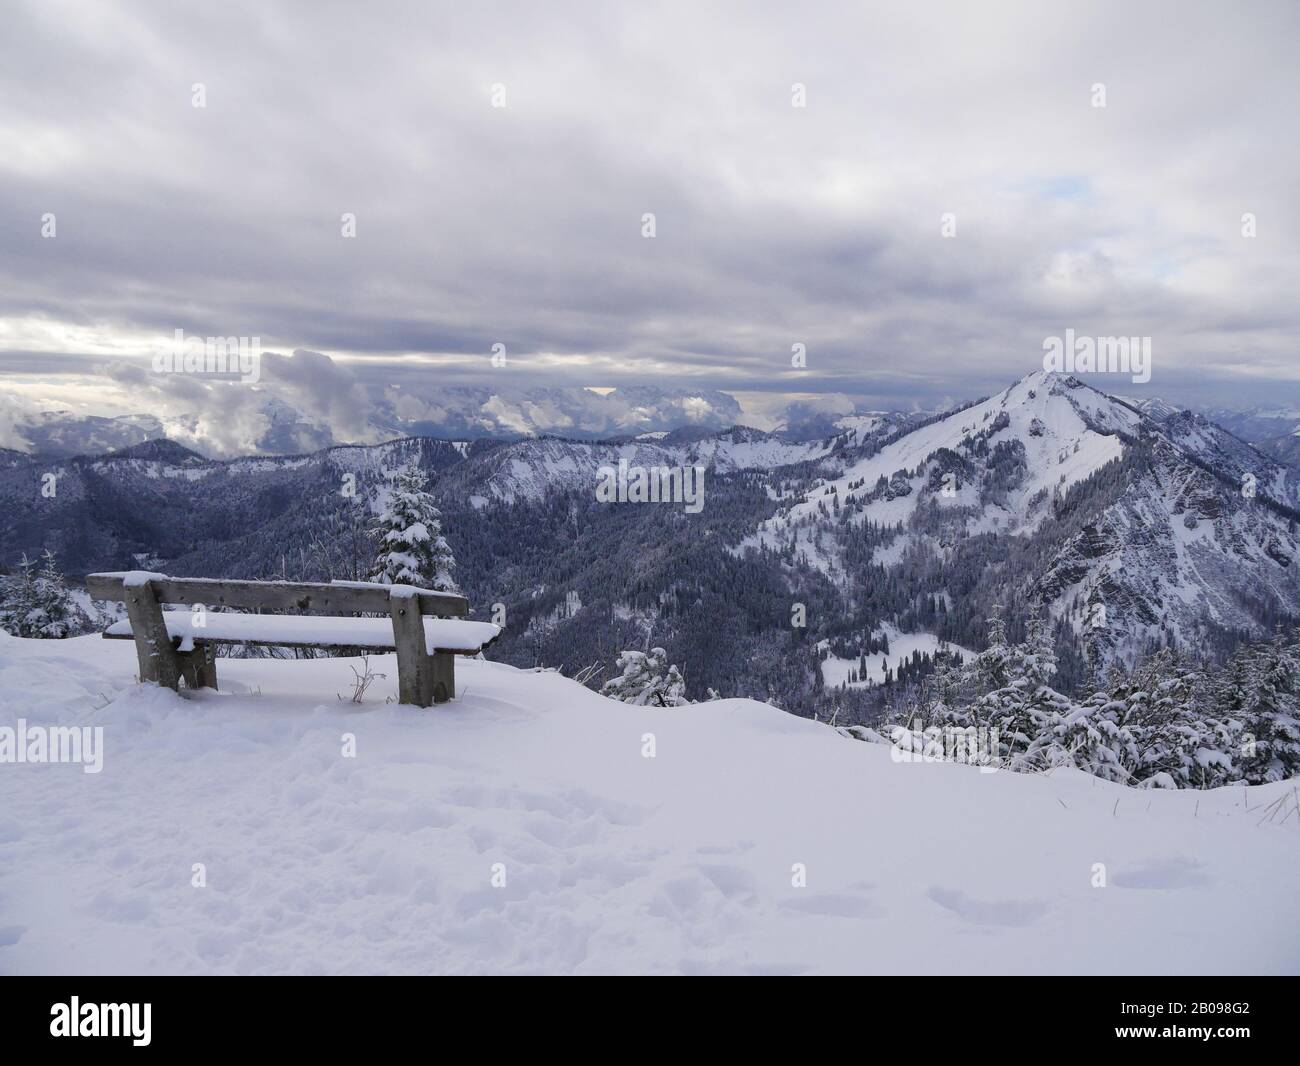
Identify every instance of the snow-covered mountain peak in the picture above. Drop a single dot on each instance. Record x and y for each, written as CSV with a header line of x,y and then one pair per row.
x,y
1002,457
1194,520
1047,391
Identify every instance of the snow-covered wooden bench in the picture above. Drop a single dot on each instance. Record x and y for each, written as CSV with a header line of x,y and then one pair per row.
x,y
427,629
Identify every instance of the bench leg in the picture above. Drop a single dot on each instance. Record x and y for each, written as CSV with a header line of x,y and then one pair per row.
x,y
443,669
153,647
199,667
414,664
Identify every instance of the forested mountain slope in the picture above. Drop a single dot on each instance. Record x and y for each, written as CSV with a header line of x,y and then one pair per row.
x,y
1047,496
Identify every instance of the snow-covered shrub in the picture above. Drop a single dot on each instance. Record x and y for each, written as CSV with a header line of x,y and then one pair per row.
x,y
647,680
1095,737
1167,724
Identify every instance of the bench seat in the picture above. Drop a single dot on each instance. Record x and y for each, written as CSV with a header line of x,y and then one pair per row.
x,y
450,635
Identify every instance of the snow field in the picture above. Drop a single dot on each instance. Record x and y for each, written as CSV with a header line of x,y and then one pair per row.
x,y
613,862
901,646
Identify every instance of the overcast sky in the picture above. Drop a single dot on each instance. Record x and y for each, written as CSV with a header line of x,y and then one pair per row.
x,y
775,224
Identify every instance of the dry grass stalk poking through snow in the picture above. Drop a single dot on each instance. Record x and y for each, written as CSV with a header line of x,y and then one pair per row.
x,y
363,679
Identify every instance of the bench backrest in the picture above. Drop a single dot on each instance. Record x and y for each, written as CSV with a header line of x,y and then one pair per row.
x,y
340,598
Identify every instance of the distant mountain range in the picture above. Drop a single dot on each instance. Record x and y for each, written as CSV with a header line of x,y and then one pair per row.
x,y
1132,527
279,427
278,423
1274,430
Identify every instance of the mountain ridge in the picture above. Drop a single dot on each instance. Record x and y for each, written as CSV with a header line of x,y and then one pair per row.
x,y
1048,495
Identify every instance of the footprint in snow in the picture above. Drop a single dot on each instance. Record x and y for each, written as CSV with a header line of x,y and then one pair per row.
x,y
732,881
1175,872
1008,912
833,905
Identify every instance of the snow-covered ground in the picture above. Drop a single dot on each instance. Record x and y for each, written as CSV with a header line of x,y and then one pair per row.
x,y
835,671
612,861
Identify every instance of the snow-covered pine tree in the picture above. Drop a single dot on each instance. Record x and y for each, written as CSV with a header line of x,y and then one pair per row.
x,y
1144,717
1025,711
412,549
945,690
989,675
1095,641
647,680
992,665
1002,712
1164,723
1038,655
1159,726
1212,749
944,706
1272,712
1209,746
1045,709
1176,742
63,618
39,604
1230,689
19,606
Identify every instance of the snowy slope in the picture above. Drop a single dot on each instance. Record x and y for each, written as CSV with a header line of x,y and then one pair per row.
x,y
1155,407
375,462
1285,449
1179,549
529,470
613,862
1232,458
835,671
1068,432
1195,531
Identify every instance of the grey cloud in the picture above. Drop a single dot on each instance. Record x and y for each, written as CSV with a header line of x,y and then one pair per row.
x,y
775,225
308,400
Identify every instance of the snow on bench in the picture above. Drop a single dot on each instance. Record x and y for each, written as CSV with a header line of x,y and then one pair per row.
x,y
440,634
179,645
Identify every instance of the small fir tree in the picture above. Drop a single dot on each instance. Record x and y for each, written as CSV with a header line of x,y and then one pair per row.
x,y
412,549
